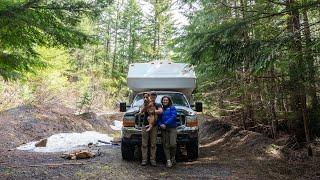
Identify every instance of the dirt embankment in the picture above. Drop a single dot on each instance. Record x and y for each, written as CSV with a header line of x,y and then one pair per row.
x,y
29,123
254,155
224,136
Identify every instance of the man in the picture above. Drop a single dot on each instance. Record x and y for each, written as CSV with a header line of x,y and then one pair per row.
x,y
152,135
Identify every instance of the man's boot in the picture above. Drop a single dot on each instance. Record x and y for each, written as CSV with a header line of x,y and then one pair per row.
x,y
143,162
153,163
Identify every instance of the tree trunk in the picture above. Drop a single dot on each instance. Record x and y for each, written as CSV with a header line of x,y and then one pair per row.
x,y
114,59
248,109
220,100
156,30
297,71
107,45
311,77
274,120
310,61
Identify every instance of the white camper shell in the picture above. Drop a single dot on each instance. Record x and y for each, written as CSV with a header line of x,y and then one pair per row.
x,y
161,75
165,78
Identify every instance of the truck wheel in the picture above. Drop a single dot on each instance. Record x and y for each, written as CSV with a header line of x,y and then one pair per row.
x,y
127,151
192,150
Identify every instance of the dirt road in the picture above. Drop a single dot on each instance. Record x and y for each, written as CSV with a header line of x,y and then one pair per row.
x,y
226,152
109,165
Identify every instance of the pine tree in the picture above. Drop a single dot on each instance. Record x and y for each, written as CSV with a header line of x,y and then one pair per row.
x,y
261,47
30,23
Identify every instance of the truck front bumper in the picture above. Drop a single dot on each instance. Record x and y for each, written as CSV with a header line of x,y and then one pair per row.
x,y
185,135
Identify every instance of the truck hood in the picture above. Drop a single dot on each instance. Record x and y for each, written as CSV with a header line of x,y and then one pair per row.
x,y
180,109
185,110
132,111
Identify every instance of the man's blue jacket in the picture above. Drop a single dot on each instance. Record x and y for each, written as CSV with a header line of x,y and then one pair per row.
x,y
168,117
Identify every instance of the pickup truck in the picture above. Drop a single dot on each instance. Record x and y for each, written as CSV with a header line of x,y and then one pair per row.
x,y
176,80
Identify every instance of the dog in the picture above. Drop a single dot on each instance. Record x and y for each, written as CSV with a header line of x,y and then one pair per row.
x,y
152,118
150,108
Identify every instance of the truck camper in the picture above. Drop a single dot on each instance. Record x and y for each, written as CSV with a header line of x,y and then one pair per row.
x,y
176,80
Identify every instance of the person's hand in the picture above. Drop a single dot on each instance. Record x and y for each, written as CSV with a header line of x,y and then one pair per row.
x,y
163,126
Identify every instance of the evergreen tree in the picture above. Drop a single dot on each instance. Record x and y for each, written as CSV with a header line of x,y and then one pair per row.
x,y
29,23
162,28
250,49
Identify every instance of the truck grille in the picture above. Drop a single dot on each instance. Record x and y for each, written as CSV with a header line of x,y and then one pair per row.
x,y
181,120
139,119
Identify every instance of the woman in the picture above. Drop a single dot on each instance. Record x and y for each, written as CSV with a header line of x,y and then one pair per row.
x,y
168,125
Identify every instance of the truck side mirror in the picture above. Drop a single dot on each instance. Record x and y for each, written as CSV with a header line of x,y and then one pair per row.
x,y
123,107
198,106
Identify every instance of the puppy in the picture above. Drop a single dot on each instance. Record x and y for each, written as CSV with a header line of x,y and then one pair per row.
x,y
152,118
149,107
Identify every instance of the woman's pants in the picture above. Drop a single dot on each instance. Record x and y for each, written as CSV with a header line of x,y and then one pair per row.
x,y
169,142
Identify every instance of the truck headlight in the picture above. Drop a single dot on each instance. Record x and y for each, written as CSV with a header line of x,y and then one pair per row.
x,y
128,121
191,121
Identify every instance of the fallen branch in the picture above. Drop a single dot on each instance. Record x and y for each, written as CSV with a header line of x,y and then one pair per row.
x,y
80,155
116,143
58,164
104,142
49,165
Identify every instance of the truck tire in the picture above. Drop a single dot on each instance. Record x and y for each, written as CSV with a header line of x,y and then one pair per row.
x,y
193,150
127,151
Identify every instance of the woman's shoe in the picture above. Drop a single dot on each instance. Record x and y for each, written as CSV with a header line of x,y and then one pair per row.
x,y
169,164
173,160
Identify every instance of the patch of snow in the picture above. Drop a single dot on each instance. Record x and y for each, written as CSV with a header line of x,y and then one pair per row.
x,y
64,142
116,125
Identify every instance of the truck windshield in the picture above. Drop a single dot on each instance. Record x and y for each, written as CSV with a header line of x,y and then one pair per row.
x,y
177,99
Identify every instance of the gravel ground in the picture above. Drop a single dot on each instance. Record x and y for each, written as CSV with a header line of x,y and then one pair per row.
x,y
21,165
109,165
226,152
